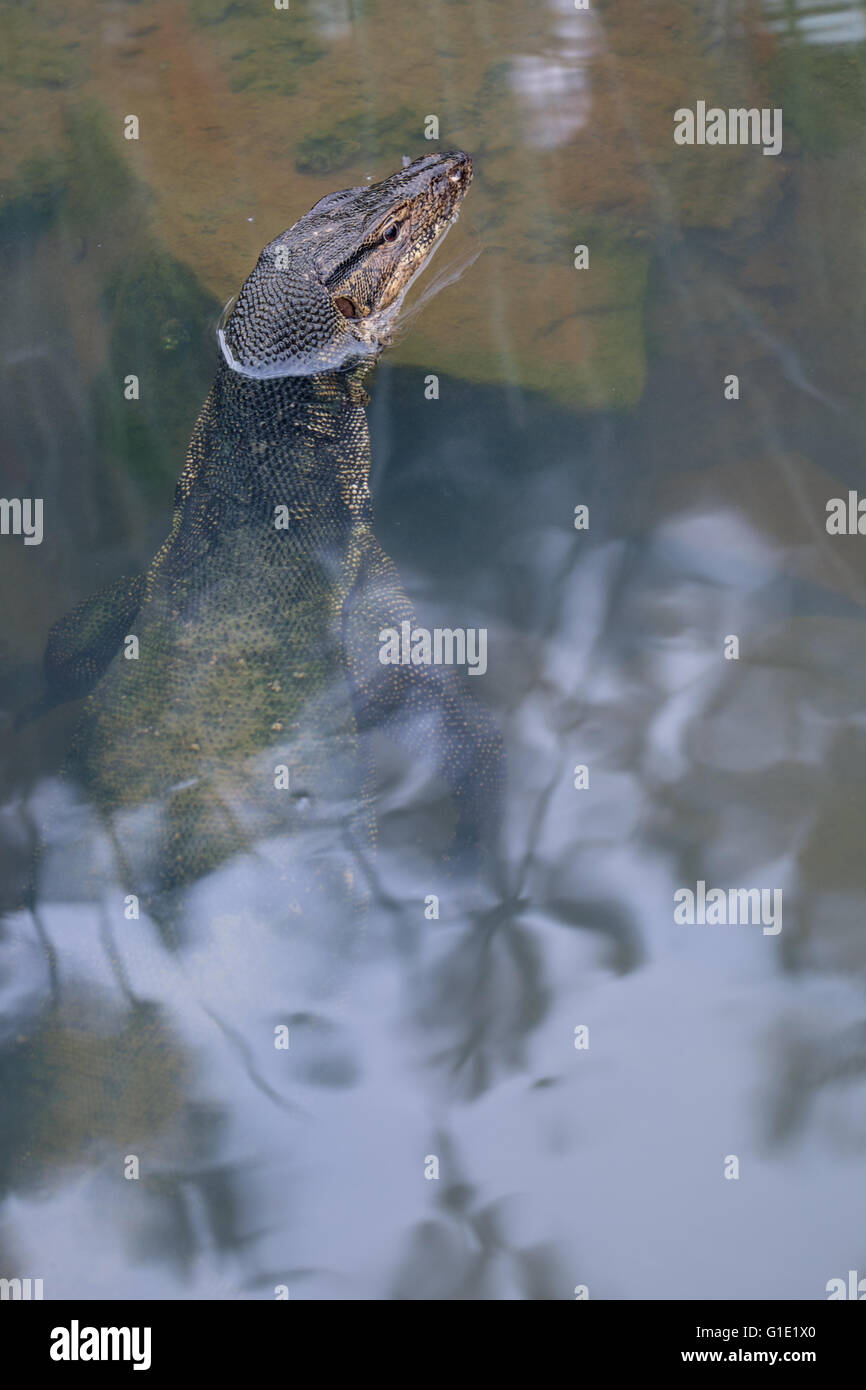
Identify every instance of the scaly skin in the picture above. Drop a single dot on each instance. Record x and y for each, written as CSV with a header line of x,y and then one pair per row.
x,y
258,645
258,648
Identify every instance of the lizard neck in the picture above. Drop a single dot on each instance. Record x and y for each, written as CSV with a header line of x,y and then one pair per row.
x,y
300,441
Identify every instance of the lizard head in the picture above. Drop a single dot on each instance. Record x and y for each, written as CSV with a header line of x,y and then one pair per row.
x,y
324,295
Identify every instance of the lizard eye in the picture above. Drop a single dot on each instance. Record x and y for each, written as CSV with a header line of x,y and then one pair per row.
x,y
391,232
345,306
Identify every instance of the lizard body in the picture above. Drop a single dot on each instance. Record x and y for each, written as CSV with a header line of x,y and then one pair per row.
x,y
257,656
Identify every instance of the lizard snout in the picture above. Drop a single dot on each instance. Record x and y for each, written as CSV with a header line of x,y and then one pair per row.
x,y
459,170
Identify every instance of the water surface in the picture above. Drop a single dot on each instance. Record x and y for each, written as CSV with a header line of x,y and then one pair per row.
x,y
558,387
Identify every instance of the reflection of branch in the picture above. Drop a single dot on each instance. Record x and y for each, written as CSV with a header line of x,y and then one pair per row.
x,y
534,829
548,631
109,946
243,1051
806,1068
374,879
231,1034
454,1254
31,897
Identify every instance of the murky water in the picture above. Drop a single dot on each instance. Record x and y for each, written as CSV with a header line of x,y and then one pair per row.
x,y
738,765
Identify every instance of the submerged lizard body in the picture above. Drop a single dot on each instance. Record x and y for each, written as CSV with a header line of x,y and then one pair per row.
x,y
212,883
257,703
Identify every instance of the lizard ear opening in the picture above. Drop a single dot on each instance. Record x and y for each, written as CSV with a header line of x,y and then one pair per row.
x,y
285,323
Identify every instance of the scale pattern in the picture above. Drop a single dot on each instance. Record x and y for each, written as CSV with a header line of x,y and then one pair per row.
x,y
259,619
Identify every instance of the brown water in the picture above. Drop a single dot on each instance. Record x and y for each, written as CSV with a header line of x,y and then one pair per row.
x,y
558,387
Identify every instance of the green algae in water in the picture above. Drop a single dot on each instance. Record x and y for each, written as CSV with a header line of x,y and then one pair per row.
x,y
31,200
99,178
351,138
822,93
266,46
160,314
30,55
81,181
79,1083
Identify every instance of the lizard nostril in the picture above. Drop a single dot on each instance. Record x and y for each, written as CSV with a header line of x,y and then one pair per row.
x,y
460,169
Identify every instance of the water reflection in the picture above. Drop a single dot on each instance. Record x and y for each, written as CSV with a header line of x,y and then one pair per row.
x,y
453,1037
816,21
555,88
